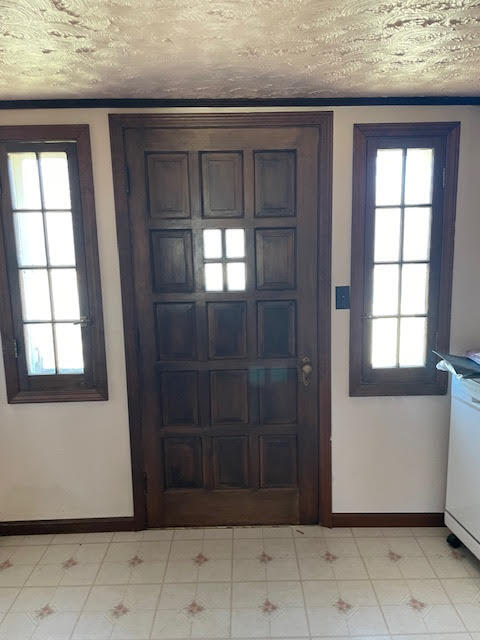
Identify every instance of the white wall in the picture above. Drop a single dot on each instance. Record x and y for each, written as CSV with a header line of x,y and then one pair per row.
x,y
389,454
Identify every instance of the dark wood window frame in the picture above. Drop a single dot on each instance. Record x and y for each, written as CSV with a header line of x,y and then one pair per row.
x,y
92,384
367,138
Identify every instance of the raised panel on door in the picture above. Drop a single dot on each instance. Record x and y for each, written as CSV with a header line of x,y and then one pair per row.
x,y
172,260
275,183
278,461
222,185
231,462
276,258
183,463
227,329
229,397
276,328
278,395
226,309
179,398
176,331
167,183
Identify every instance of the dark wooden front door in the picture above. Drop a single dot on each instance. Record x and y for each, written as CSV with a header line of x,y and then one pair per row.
x,y
223,230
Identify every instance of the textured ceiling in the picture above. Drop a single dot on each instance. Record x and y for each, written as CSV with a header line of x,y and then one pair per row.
x,y
238,48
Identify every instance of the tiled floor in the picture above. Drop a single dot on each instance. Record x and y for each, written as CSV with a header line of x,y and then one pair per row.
x,y
253,582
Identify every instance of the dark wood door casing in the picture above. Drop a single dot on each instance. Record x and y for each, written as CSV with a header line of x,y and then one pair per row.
x,y
161,215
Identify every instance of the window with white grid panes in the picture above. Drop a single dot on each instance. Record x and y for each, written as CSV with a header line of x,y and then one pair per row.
x,y
224,259
403,221
47,271
52,325
401,257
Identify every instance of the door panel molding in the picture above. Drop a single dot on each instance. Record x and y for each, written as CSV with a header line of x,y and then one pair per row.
x,y
323,121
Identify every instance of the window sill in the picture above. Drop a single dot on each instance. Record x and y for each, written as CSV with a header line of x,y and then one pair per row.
x,y
78,395
359,389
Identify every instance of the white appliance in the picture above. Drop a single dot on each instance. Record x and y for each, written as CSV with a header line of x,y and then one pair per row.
x,y
462,510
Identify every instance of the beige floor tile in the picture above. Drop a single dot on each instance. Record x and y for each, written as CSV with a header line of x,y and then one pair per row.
x,y
33,599
277,532
470,615
211,623
189,534
338,532
287,583
343,547
248,595
403,619
437,636
397,592
366,620
247,533
315,569
15,576
310,547
18,626
218,533
282,569
7,598
349,569
245,569
22,555
442,618
327,621
415,568
93,625
134,625
421,532
367,532
462,590
288,622
22,541
249,623
309,531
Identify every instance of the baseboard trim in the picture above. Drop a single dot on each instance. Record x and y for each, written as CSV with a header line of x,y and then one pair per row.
x,y
387,519
81,525
93,525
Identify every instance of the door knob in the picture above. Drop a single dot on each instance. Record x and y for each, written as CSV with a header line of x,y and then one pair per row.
x,y
306,369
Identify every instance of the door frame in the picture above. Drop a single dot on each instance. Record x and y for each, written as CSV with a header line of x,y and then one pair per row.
x,y
323,120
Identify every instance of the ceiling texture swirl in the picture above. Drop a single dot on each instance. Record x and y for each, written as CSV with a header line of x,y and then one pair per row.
x,y
208,49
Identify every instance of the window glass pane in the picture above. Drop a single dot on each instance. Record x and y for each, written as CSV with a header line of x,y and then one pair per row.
x,y
385,290
213,276
39,349
24,184
212,243
414,288
416,233
30,239
418,176
387,235
65,294
384,342
235,241
61,249
35,294
388,178
236,276
55,183
413,342
68,338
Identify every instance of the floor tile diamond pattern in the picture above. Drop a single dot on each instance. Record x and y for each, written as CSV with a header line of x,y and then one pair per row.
x,y
299,582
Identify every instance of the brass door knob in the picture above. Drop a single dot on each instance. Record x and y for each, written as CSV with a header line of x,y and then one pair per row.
x,y
306,369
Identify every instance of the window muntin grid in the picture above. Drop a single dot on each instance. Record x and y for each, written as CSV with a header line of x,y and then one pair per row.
x,y
224,259
401,257
46,262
